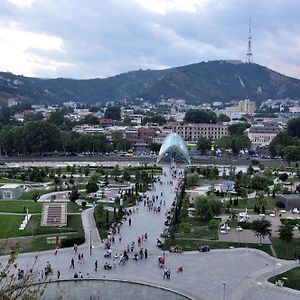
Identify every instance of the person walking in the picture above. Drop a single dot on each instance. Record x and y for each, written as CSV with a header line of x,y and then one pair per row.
x,y
169,273
129,221
146,253
165,272
58,274
96,265
72,264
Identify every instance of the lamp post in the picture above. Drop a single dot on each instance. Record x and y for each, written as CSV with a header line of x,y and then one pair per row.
x,y
90,242
224,289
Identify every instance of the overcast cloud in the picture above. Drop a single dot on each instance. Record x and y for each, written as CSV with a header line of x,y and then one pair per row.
x,y
100,38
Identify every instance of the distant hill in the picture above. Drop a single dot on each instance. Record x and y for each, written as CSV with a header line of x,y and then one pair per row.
x,y
196,83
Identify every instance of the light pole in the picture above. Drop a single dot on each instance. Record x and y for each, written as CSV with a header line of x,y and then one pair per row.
x,y
224,289
90,242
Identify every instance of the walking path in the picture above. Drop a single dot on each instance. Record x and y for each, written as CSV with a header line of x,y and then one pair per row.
x,y
243,270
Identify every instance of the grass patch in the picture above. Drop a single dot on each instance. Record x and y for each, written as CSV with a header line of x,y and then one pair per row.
x,y
9,226
193,244
8,180
293,278
29,195
286,251
17,206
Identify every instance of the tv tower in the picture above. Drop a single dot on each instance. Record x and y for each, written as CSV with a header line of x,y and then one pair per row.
x,y
249,52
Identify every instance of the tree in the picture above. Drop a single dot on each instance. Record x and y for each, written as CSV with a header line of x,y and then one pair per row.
x,y
113,112
283,177
281,141
237,129
192,179
57,118
156,118
126,175
204,144
91,187
223,118
127,121
41,136
200,116
90,119
261,227
293,127
291,153
234,142
213,225
286,234
74,195
208,206
12,288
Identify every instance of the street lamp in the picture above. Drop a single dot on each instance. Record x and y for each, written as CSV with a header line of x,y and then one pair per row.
x,y
90,242
224,289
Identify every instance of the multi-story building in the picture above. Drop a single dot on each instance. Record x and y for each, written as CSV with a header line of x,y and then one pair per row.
x,y
247,107
193,132
261,136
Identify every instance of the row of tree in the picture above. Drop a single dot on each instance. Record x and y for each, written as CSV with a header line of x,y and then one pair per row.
x,y
40,137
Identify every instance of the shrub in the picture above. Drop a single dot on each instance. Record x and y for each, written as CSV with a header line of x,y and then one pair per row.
x,y
69,242
283,177
186,227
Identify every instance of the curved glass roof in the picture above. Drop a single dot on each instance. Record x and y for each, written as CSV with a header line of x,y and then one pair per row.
x,y
174,146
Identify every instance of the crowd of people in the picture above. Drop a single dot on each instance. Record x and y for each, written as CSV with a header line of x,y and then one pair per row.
x,y
137,250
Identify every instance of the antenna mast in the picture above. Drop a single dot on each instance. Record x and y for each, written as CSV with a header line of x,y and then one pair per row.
x,y
249,52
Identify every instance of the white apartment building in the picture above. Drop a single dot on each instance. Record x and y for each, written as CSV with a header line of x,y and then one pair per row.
x,y
261,136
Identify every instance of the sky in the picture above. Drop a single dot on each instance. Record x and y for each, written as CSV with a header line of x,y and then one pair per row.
x,y
101,38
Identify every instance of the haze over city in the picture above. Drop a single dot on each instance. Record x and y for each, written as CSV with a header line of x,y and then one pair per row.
x,y
85,39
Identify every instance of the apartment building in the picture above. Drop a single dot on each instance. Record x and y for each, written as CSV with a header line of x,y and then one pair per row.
x,y
193,132
261,136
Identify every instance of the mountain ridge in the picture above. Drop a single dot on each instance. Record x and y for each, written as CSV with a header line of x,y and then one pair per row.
x,y
196,83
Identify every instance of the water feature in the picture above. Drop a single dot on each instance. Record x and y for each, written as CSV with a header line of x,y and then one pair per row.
x,y
106,290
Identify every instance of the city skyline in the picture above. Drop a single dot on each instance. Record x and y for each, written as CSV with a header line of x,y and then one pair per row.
x,y
85,40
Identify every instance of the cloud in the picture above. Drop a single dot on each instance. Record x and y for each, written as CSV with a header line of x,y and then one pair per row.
x,y
98,38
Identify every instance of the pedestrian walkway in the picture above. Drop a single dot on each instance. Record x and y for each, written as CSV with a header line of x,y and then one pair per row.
x,y
243,270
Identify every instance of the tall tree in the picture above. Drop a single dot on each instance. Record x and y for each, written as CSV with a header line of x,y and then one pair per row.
x,y
286,234
293,127
113,112
200,116
204,144
261,227
41,136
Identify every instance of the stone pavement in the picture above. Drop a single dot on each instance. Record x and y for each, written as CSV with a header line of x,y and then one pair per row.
x,y
243,270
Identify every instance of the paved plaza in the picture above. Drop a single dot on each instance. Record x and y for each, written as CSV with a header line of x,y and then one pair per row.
x,y
244,271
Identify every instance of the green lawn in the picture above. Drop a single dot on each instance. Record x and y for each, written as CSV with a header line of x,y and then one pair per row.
x,y
9,226
271,204
17,206
291,278
280,248
191,245
29,195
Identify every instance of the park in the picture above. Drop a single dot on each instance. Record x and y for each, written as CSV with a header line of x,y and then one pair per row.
x,y
223,230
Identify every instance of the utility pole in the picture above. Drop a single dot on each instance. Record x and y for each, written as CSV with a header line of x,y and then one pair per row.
x,y
249,52
224,290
